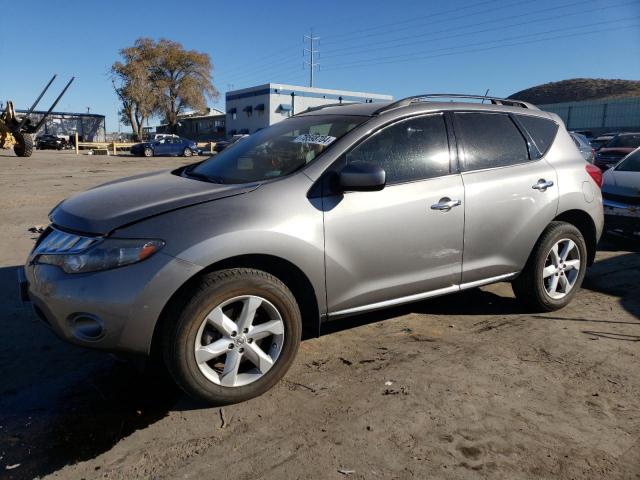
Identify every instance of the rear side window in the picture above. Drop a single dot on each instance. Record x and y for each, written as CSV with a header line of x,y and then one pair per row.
x,y
541,130
412,149
490,140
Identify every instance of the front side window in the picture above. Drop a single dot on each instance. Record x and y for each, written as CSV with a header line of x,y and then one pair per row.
x,y
276,151
490,140
412,149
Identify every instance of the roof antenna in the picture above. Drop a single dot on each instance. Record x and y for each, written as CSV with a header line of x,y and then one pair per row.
x,y
485,96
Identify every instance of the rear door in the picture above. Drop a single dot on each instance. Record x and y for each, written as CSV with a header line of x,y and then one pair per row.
x,y
385,246
511,191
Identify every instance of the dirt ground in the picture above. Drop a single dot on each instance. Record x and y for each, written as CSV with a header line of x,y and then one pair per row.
x,y
464,386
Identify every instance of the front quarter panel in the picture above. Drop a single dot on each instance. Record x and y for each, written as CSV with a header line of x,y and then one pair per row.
x,y
276,219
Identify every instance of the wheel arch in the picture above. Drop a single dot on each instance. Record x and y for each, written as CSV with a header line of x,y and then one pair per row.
x,y
583,222
294,278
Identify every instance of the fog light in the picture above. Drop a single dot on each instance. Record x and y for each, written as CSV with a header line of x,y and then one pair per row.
x,y
86,327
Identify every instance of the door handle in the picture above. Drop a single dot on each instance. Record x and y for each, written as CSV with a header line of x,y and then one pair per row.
x,y
542,185
445,204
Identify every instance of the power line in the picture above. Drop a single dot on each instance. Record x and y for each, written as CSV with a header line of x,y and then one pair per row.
x,y
415,56
328,53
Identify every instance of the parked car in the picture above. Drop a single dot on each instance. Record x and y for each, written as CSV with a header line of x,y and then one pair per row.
x,y
616,148
601,140
219,266
171,146
50,142
588,134
586,150
223,144
621,194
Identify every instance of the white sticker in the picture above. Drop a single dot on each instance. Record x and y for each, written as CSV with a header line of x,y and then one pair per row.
x,y
315,139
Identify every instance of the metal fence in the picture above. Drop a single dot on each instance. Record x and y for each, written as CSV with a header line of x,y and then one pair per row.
x,y
89,127
599,115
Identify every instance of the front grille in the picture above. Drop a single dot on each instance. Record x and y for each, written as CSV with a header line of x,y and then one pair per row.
x,y
621,198
57,241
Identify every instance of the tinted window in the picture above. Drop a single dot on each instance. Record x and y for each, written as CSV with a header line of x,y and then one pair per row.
x,y
541,130
490,140
631,163
412,149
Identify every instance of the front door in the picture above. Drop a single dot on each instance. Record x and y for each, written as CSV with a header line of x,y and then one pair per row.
x,y
397,244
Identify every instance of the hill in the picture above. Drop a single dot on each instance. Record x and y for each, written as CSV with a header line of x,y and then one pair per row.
x,y
577,89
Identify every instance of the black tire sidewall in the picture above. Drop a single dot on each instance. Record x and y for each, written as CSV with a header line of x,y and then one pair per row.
x,y
180,356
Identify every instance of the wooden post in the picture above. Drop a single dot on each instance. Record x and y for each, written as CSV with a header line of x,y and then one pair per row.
x,y
76,142
211,145
115,150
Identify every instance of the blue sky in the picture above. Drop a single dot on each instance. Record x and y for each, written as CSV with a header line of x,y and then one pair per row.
x,y
401,48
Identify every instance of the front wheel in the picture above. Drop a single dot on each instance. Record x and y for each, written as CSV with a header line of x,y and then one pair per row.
x,y
148,152
187,152
235,338
555,269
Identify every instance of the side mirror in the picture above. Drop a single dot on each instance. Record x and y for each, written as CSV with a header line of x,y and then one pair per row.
x,y
362,177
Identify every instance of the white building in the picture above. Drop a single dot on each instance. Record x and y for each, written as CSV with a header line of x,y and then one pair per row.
x,y
254,108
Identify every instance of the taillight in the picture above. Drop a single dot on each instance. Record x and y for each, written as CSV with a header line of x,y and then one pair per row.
x,y
595,173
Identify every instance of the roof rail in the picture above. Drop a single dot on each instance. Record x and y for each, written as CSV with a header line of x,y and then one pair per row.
x,y
423,98
320,107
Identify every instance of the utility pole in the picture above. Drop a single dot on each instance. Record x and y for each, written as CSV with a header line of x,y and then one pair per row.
x,y
312,54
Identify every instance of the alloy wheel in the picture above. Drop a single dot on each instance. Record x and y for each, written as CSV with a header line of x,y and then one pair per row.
x,y
561,268
239,341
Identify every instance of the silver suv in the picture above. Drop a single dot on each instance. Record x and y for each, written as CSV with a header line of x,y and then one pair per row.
x,y
219,267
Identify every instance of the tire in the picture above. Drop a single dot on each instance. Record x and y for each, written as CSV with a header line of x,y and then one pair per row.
x,y
24,145
147,152
187,152
206,380
534,286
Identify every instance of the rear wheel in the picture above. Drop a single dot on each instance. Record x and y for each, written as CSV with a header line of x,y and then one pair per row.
x,y
148,152
235,338
24,144
555,269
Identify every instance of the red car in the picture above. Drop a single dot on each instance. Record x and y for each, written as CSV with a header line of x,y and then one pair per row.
x,y
616,149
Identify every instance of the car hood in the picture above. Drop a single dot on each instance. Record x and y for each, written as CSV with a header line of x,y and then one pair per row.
x,y
115,204
621,183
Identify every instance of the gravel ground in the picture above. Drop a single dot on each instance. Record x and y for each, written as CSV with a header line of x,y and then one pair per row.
x,y
464,386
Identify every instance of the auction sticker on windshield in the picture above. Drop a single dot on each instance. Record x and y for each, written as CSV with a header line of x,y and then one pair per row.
x,y
323,140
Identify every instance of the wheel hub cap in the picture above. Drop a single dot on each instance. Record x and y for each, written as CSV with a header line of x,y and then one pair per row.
x,y
239,341
561,268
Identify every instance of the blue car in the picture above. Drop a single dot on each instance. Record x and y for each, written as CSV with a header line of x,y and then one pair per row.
x,y
169,146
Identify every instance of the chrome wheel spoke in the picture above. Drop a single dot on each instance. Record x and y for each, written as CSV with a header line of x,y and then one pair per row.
x,y
564,285
229,375
221,322
553,287
272,327
258,357
554,256
566,249
572,264
548,271
211,351
249,307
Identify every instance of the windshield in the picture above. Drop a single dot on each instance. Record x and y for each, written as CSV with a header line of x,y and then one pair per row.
x,y
631,163
276,151
624,141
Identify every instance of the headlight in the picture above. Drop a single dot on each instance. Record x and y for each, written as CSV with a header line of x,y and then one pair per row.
x,y
110,253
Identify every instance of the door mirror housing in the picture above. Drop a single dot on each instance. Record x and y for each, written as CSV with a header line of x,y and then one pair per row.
x,y
362,177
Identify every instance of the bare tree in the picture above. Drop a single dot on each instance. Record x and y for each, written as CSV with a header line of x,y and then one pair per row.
x,y
132,82
182,80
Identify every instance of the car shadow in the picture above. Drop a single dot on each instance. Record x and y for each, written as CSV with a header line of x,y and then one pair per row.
x,y
61,404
